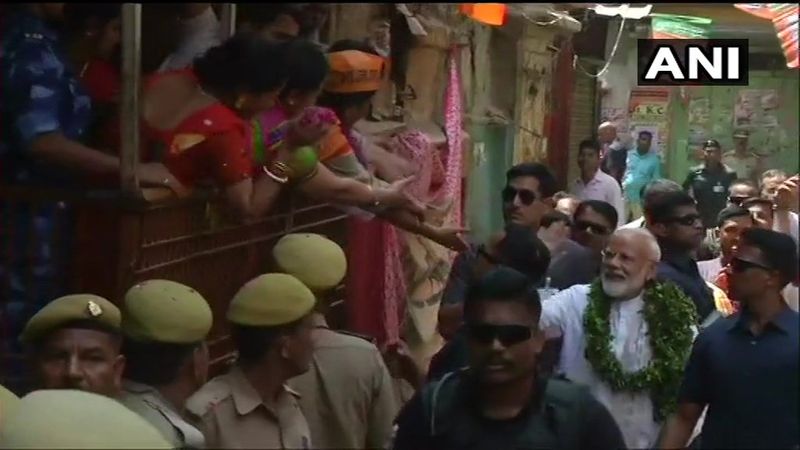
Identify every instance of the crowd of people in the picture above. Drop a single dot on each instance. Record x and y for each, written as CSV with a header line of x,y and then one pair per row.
x,y
631,312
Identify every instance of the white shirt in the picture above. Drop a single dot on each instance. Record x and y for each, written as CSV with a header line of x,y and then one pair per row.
x,y
787,222
709,269
638,223
633,412
601,187
198,34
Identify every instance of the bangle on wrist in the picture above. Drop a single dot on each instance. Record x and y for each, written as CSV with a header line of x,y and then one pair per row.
x,y
276,178
376,201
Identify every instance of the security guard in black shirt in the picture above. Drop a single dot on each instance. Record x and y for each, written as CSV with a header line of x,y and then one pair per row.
x,y
709,183
500,402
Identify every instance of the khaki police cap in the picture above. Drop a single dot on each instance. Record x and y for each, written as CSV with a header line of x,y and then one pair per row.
x,y
165,311
271,300
8,404
71,308
313,259
77,419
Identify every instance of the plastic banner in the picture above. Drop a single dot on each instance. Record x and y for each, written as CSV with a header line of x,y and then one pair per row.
x,y
671,26
784,18
761,10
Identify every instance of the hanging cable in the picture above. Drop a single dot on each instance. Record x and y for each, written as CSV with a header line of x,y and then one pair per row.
x,y
610,57
525,16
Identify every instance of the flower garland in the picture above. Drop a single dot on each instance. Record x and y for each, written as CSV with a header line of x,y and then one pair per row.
x,y
670,315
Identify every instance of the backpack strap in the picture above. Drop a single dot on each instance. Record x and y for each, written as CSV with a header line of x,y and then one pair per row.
x,y
431,397
564,410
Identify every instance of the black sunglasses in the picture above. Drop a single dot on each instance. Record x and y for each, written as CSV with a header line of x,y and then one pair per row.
x,y
583,225
740,265
526,196
687,220
737,200
507,335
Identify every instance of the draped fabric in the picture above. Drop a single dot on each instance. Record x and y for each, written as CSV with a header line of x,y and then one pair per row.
x,y
377,288
417,268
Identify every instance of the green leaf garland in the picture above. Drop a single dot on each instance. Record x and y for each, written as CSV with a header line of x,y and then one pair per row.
x,y
670,315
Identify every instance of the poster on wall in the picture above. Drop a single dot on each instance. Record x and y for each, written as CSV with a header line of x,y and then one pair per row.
x,y
649,110
699,123
656,143
755,109
617,116
699,111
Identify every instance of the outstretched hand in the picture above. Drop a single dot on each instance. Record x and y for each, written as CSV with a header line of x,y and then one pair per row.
x,y
157,175
787,195
451,237
395,196
401,365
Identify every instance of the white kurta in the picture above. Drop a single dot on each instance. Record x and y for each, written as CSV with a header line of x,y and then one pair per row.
x,y
633,412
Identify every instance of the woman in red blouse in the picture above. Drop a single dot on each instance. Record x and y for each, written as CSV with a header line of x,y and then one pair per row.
x,y
200,116
96,47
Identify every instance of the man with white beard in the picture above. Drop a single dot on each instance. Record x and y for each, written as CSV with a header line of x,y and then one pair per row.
x,y
623,332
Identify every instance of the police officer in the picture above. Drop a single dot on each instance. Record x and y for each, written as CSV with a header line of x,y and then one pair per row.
x,y
165,325
709,183
68,418
500,401
74,343
251,407
8,404
347,396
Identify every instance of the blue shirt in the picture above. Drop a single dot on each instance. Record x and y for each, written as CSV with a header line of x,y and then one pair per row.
x,y
683,271
640,170
750,383
40,94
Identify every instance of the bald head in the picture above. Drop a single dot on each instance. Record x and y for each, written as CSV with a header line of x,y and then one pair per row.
x,y
607,132
629,262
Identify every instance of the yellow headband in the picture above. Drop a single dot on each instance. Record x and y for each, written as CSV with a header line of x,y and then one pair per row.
x,y
355,71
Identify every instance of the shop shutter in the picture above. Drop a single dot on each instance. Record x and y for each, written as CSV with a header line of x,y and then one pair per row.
x,y
582,124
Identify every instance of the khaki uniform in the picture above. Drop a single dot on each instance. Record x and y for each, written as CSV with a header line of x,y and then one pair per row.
x,y
745,168
347,395
153,407
8,403
66,418
231,414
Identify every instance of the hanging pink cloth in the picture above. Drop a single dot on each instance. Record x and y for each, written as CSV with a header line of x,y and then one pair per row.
x,y
453,124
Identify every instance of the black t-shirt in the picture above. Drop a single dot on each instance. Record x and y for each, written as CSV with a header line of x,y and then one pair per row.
x,y
571,264
598,432
710,189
